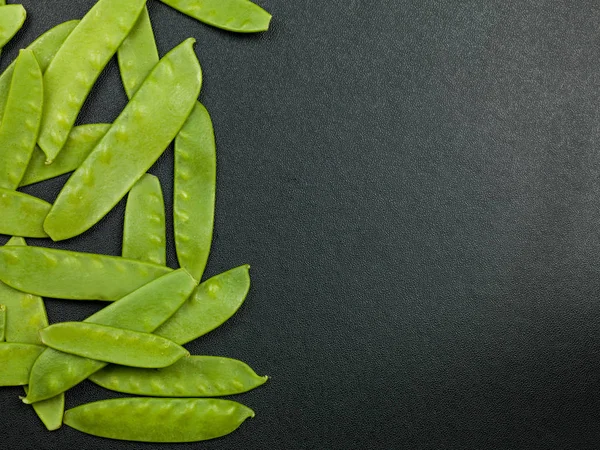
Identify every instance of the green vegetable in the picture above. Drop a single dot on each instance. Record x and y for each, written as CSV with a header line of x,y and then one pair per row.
x,y
22,215
12,18
2,323
50,411
16,361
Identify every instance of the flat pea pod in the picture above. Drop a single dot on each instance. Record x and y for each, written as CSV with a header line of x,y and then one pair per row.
x,y
21,122
194,191
44,48
16,361
12,18
158,419
2,3
79,145
241,16
2,323
22,214
71,275
137,54
78,64
195,376
136,139
50,411
144,228
212,303
143,310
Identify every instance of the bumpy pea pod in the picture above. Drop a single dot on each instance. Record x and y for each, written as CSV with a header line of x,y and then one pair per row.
x,y
144,226
78,64
194,191
211,304
12,18
154,116
44,48
79,145
21,122
196,376
143,310
22,214
71,275
158,419
16,361
241,16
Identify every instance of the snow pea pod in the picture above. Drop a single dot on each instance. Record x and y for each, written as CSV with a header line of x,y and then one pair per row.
x,y
211,304
158,419
72,275
44,48
241,16
154,116
21,123
78,64
196,376
143,310
22,214
144,226
2,3
16,361
50,411
12,18
112,345
79,145
2,323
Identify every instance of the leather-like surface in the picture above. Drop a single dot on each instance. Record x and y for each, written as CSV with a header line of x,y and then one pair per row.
x,y
415,184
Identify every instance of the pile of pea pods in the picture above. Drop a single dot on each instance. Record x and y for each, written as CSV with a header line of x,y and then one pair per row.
x,y
135,344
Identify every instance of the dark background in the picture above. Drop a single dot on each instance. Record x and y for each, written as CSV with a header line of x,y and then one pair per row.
x,y
415,184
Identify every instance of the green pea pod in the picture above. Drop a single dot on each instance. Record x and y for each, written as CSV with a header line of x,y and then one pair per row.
x,y
78,64
211,304
144,227
158,419
21,123
79,145
22,214
136,139
44,48
2,3
2,323
241,16
76,276
16,361
194,191
143,310
195,376
50,411
12,18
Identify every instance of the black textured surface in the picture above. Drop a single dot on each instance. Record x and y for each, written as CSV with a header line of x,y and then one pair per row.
x,y
415,185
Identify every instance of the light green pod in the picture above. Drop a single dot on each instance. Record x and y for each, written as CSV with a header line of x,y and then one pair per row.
x,y
158,419
78,64
143,310
2,3
22,214
44,48
195,376
12,18
50,411
16,361
144,229
79,145
211,304
241,16
2,323
21,123
136,139
194,191
137,54
71,275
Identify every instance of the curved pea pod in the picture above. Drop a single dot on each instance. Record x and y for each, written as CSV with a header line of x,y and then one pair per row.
x,y
211,304
241,16
158,419
135,141
50,411
12,18
44,48
16,361
194,191
78,64
79,145
22,214
112,345
143,310
144,229
21,123
195,376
